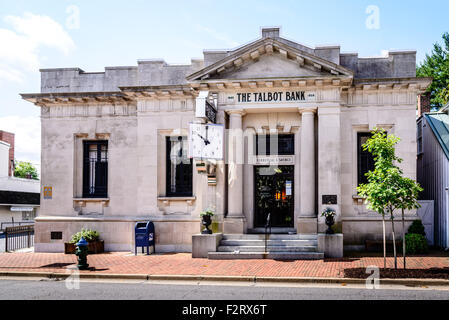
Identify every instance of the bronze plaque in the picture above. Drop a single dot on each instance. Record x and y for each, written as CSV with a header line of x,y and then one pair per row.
x,y
330,199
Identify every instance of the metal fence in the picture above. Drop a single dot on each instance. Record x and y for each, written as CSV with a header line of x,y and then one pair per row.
x,y
3,225
19,237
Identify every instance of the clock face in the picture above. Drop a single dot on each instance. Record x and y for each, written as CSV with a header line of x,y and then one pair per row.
x,y
206,141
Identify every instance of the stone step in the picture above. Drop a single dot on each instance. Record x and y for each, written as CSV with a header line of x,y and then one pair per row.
x,y
269,249
270,236
259,242
274,230
261,255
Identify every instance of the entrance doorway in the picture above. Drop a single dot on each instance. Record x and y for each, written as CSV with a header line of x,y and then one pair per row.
x,y
274,194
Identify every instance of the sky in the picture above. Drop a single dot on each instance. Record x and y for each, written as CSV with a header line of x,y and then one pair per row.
x,y
94,34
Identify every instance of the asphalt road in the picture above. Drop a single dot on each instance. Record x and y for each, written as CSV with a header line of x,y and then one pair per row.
x,y
145,290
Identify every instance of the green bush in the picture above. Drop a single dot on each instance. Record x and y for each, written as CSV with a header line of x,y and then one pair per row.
x,y
416,243
417,228
87,234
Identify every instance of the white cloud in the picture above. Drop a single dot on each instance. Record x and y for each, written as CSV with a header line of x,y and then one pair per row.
x,y
27,132
218,35
19,51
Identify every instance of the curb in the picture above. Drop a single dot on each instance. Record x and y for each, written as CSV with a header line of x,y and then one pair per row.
x,y
254,279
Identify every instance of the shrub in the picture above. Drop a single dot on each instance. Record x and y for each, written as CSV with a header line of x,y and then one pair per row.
x,y
417,228
416,243
87,234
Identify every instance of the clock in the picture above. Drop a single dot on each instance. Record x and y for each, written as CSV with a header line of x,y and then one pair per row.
x,y
206,141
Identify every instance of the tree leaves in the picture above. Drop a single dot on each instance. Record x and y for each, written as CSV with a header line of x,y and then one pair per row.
x,y
436,65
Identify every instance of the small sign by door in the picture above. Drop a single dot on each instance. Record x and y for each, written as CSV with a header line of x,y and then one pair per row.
x,y
48,192
288,188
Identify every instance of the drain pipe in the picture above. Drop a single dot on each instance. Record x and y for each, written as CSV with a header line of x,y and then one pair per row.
x,y
447,218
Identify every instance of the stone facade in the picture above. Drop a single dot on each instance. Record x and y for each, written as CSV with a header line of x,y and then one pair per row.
x,y
255,88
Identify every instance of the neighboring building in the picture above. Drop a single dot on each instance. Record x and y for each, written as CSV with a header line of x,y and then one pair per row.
x,y
19,198
8,137
433,166
109,138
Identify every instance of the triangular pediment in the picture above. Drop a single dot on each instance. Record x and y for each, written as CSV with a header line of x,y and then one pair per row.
x,y
268,58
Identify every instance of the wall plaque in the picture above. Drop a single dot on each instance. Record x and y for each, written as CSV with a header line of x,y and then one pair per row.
x,y
330,199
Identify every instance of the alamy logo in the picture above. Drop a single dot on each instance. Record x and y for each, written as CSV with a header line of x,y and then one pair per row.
x,y
372,282
73,20
73,280
373,19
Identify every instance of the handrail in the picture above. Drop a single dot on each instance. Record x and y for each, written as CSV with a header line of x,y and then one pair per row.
x,y
267,225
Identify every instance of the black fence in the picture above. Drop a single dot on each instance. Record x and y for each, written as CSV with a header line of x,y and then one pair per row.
x,y
19,237
3,225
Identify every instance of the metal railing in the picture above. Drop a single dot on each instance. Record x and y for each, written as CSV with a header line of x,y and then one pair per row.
x,y
267,226
13,224
19,237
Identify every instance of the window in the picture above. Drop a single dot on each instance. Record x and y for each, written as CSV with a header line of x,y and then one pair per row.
x,y
419,138
28,215
95,169
285,142
179,168
365,160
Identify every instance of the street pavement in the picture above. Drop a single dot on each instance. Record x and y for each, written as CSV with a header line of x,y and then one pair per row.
x,y
147,290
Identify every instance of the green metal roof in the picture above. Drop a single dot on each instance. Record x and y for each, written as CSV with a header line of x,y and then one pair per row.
x,y
439,122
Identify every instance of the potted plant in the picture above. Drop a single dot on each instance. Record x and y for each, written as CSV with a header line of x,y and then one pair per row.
x,y
329,214
95,245
206,217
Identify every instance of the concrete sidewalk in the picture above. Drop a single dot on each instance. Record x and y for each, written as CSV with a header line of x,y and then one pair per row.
x,y
182,266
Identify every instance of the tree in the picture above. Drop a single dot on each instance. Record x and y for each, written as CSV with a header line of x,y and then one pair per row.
x,y
25,170
387,189
379,191
436,65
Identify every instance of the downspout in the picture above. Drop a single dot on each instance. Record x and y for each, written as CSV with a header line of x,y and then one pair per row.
x,y
447,219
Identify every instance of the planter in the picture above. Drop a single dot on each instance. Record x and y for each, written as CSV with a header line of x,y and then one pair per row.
x,y
93,247
330,221
206,221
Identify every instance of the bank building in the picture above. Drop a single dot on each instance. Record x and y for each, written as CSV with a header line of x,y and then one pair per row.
x,y
272,126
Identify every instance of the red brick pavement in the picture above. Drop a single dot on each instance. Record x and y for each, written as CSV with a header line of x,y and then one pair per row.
x,y
184,264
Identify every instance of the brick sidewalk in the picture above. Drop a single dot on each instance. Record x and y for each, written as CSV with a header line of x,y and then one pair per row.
x,y
183,264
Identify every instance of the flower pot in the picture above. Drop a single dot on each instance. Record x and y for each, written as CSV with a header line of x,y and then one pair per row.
x,y
206,221
330,221
93,247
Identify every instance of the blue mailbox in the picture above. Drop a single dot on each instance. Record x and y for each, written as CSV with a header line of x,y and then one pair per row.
x,y
144,236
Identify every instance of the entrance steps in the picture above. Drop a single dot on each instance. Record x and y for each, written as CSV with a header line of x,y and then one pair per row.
x,y
279,246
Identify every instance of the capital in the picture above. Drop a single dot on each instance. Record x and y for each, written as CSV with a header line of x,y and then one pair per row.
x,y
307,110
236,112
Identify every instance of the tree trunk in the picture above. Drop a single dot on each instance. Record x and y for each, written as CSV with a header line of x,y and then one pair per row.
x,y
394,240
385,241
403,237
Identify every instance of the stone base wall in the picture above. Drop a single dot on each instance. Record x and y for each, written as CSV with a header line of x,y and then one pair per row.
x,y
356,232
118,235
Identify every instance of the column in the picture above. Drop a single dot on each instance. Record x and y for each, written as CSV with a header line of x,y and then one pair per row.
x,y
235,221
329,161
307,222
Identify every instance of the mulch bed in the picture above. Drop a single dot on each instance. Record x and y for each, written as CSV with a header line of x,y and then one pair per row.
x,y
433,273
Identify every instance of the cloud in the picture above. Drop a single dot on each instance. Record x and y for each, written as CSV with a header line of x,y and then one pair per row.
x,y
218,36
27,132
19,51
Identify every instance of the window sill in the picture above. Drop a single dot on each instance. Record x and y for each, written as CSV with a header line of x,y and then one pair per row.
x,y
167,200
358,199
82,201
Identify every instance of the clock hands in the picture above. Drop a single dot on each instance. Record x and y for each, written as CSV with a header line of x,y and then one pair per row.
x,y
206,142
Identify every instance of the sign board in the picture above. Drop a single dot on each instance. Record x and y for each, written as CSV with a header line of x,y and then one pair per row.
x,y
205,109
273,160
278,96
48,192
